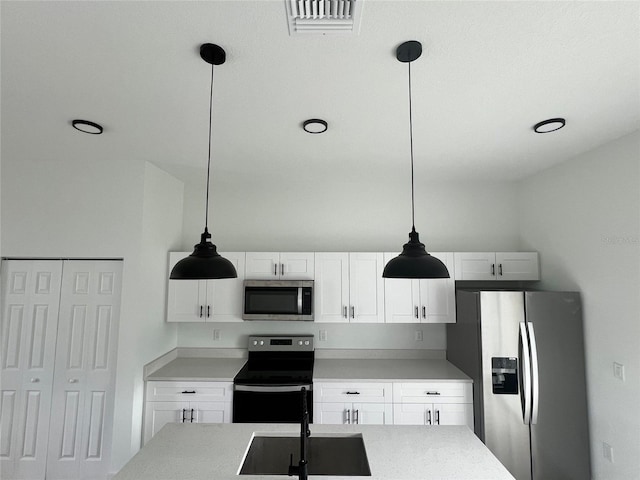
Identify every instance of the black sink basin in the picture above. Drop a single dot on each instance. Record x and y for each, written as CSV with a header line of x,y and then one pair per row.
x,y
341,456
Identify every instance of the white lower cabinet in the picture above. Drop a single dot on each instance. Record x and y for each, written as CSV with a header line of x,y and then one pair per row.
x,y
358,403
186,402
433,403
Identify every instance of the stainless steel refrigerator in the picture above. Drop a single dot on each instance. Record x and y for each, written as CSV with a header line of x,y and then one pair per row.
x,y
524,351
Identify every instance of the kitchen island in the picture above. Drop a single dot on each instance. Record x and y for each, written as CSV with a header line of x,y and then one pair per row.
x,y
189,451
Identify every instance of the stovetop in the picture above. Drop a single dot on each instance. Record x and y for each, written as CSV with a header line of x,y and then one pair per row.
x,y
278,360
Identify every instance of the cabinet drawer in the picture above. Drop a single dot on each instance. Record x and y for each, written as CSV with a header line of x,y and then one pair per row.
x,y
189,391
433,392
361,392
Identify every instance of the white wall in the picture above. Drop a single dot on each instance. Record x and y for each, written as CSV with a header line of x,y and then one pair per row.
x,y
334,214
583,216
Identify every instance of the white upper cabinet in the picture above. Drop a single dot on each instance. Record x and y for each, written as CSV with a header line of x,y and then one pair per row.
x,y
206,300
497,266
421,301
349,287
279,266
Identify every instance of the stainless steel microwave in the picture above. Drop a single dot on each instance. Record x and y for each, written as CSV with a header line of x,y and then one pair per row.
x,y
278,300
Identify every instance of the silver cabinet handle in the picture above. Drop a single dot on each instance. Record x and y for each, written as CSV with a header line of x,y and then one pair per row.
x,y
500,269
429,417
184,414
208,311
344,312
353,312
35,380
191,416
424,311
73,380
417,316
282,269
493,269
348,416
201,307
356,417
275,269
437,417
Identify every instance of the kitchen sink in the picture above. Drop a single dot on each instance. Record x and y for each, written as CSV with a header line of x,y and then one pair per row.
x,y
336,455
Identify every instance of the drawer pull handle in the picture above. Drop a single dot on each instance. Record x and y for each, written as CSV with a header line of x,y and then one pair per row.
x,y
189,391
433,393
353,393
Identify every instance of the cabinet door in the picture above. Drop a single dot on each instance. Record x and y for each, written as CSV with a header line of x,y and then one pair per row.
x,y
211,412
401,298
158,414
331,288
412,414
186,299
225,295
517,266
29,321
453,414
332,413
438,295
372,413
297,266
84,381
262,265
475,266
366,288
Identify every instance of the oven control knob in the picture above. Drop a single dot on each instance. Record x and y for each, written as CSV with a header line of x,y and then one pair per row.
x,y
299,342
261,342
306,342
255,342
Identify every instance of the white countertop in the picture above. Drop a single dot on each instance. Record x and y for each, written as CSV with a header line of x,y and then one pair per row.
x,y
386,370
224,369
199,369
215,452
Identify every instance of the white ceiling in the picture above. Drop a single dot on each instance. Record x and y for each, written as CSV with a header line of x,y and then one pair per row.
x,y
489,72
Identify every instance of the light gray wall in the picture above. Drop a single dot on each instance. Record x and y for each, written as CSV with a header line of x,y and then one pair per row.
x,y
102,205
583,216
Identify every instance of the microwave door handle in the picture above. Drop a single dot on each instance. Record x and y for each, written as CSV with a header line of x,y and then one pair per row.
x,y
299,300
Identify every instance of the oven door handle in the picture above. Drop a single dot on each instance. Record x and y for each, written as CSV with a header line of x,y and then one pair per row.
x,y
271,388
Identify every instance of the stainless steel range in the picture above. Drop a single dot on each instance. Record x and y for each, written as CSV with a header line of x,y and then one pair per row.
x,y
268,388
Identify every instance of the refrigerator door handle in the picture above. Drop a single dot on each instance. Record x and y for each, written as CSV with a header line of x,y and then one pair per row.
x,y
535,383
525,374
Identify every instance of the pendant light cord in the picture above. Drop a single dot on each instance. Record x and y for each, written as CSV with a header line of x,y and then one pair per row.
x,y
206,214
413,220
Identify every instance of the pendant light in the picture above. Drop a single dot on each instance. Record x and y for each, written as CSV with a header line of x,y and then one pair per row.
x,y
205,262
414,261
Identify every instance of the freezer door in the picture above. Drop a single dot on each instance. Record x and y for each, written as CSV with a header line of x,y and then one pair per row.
x,y
506,434
559,435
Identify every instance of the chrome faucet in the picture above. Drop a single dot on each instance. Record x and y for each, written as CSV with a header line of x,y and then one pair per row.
x,y
302,469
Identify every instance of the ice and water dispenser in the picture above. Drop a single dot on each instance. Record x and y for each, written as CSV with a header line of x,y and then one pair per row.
x,y
504,375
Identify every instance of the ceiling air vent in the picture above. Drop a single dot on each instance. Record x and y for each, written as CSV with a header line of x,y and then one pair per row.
x,y
324,17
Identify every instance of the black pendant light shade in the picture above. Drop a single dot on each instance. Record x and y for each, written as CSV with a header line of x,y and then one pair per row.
x,y
414,261
205,263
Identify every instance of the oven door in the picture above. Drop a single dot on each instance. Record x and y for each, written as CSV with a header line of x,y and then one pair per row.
x,y
270,403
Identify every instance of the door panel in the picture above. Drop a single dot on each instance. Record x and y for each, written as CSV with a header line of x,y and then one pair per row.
x,y
331,288
372,413
506,435
225,296
412,414
29,320
297,266
560,438
366,288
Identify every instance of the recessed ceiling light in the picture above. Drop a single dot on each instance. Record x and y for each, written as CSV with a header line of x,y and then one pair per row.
x,y
550,125
87,127
314,125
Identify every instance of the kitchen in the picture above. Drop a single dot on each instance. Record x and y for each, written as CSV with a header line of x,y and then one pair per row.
x,y
571,195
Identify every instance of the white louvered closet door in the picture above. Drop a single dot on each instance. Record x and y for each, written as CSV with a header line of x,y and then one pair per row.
x,y
30,297
83,392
